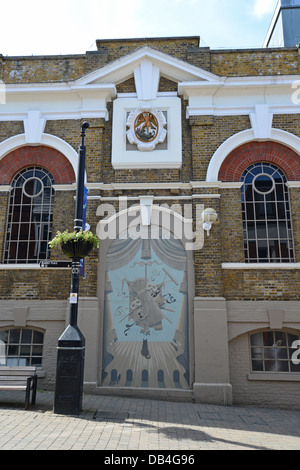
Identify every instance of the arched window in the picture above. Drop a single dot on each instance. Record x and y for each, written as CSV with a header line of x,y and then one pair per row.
x,y
23,347
30,213
274,351
266,215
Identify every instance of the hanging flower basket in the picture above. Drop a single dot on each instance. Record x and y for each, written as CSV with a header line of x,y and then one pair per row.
x,y
75,244
77,248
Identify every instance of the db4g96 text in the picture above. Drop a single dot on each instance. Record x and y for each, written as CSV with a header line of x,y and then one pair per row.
x,y
161,459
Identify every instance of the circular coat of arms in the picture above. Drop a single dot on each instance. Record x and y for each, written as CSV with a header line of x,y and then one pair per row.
x,y
146,128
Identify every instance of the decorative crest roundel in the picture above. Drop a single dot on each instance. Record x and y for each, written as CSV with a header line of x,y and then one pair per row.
x,y
146,128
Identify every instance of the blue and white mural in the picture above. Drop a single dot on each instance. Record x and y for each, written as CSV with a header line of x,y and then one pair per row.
x,y
146,314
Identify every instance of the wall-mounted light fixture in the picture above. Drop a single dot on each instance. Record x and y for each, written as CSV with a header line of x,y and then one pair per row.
x,y
209,217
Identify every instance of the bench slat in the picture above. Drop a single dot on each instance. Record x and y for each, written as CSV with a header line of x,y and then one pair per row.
x,y
12,380
10,374
18,377
12,387
18,369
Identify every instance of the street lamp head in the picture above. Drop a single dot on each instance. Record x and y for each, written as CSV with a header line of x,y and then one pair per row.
x,y
209,217
85,126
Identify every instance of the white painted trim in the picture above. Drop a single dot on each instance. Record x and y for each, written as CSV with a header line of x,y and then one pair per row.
x,y
231,185
277,135
146,77
170,158
293,184
107,90
269,266
232,96
237,110
156,198
55,101
261,121
34,126
62,146
192,185
5,188
64,187
274,377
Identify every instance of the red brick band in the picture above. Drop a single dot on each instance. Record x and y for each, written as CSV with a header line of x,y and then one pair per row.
x,y
253,152
43,156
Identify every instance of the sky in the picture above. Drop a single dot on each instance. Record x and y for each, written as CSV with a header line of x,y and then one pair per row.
x,y
38,27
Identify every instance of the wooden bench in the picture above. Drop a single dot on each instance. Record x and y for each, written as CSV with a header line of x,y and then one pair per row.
x,y
19,378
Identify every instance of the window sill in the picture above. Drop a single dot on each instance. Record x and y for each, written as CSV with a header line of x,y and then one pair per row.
x,y
261,265
274,376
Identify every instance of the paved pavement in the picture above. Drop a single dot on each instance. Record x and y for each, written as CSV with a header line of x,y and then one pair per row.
x,y
127,425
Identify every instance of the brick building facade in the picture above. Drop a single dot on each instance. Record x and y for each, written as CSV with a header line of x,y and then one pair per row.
x,y
182,313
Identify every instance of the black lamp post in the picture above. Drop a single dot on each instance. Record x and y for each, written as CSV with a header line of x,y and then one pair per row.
x,y
71,344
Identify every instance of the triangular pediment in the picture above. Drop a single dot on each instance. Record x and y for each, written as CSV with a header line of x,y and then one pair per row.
x,y
147,60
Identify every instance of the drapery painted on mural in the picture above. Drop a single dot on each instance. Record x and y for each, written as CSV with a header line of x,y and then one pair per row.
x,y
146,314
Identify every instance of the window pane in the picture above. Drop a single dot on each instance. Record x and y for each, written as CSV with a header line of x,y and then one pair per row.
x,y
268,338
280,338
13,350
292,339
256,339
257,353
14,336
270,366
26,336
281,353
257,366
283,366
269,353
38,337
4,336
295,367
25,351
37,350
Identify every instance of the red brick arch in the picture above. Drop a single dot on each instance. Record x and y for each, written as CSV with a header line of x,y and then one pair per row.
x,y
253,152
43,156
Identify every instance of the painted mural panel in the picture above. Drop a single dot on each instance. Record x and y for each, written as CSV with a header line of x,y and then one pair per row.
x,y
146,315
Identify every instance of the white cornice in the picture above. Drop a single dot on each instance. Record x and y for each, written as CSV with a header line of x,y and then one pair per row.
x,y
239,110
105,89
192,186
240,95
56,101
239,82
